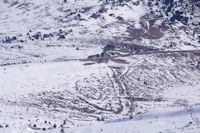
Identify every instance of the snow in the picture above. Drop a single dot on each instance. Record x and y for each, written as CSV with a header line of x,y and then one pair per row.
x,y
190,93
165,121
50,79
21,80
48,16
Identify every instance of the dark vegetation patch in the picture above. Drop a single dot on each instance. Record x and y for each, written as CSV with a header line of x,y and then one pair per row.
x,y
95,15
60,34
135,48
86,9
14,63
120,18
179,17
4,125
99,12
9,39
17,47
142,99
14,3
111,50
23,5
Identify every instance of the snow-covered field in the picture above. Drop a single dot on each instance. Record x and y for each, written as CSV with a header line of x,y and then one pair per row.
x,y
53,92
162,121
47,82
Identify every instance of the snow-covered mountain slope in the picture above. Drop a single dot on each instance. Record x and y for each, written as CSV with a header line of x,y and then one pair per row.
x,y
77,63
44,24
79,93
180,120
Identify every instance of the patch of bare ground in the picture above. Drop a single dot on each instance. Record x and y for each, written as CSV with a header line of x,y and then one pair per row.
x,y
90,63
86,9
197,54
151,33
121,61
148,29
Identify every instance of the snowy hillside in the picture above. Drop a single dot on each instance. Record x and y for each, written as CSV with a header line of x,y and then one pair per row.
x,y
82,64
47,24
175,120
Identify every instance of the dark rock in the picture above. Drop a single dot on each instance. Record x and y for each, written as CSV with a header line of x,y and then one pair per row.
x,y
120,18
94,15
111,14
61,37
98,119
54,126
14,38
145,82
109,47
78,16
37,35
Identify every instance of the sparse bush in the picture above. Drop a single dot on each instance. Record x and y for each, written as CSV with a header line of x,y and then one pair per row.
x,y
54,126
98,119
